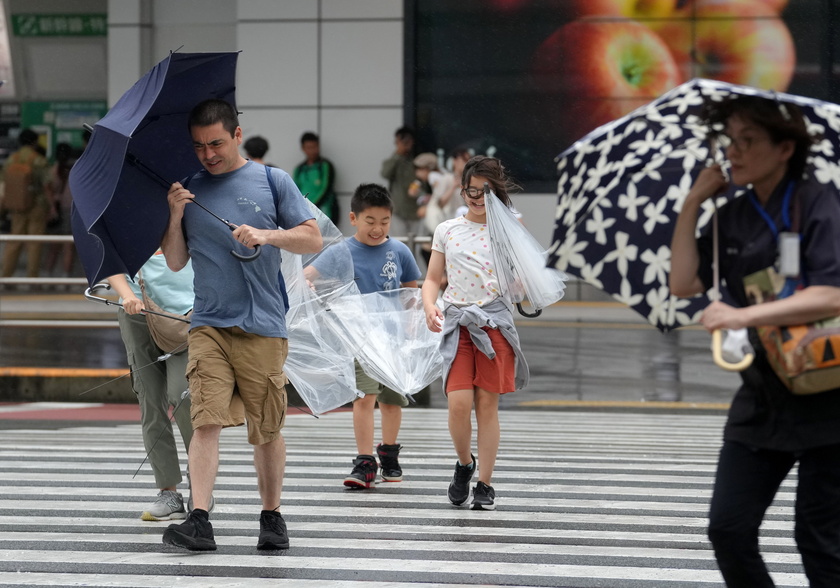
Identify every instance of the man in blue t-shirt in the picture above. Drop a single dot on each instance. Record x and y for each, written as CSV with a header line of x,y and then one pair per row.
x,y
238,341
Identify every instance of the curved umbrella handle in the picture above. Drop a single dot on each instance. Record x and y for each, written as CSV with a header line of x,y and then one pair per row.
x,y
717,355
534,314
251,257
102,285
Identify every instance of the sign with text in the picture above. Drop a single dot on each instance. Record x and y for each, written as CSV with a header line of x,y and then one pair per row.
x,y
59,25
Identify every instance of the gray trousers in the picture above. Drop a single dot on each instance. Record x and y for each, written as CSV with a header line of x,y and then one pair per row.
x,y
158,385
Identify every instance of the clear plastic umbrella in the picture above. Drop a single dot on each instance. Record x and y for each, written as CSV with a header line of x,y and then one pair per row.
x,y
388,335
520,260
319,364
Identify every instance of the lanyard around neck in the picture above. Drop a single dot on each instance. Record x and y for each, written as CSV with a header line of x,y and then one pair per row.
x,y
785,210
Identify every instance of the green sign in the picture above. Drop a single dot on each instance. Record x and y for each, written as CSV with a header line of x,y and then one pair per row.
x,y
61,121
59,25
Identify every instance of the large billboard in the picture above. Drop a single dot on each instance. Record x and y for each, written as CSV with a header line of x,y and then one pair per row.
x,y
523,79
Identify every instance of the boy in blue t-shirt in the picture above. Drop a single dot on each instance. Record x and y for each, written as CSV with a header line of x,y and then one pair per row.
x,y
380,264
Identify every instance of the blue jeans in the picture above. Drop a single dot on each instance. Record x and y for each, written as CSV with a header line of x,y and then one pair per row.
x,y
746,483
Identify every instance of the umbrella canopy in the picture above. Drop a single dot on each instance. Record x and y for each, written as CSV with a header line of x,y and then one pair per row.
x,y
520,261
387,333
330,323
622,186
143,144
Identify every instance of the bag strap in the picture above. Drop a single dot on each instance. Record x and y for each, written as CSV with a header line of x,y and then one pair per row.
x,y
273,192
280,279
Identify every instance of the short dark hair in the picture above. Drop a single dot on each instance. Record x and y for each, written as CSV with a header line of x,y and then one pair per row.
x,y
460,152
27,137
212,111
782,121
256,147
405,132
309,136
369,196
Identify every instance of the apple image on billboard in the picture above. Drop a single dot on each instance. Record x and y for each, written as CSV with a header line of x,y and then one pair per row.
x,y
736,41
592,71
776,6
634,9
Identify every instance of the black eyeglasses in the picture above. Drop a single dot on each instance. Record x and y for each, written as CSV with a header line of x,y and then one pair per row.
x,y
473,192
742,144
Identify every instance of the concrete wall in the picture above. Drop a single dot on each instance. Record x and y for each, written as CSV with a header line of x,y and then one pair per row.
x,y
334,67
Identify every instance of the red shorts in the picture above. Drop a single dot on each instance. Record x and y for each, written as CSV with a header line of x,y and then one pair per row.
x,y
472,369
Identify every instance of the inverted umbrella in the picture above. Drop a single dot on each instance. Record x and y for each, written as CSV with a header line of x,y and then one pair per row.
x,y
319,363
136,151
520,260
621,188
387,334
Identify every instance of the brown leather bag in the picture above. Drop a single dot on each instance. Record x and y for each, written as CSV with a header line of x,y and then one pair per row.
x,y
170,334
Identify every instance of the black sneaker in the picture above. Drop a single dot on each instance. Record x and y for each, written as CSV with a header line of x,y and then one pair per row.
x,y
484,497
459,488
390,465
195,534
273,534
363,474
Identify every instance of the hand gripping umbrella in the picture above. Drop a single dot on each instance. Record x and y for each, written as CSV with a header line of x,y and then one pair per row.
x,y
136,151
621,188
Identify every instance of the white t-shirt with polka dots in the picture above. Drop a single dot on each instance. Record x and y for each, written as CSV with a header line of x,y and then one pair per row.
x,y
470,267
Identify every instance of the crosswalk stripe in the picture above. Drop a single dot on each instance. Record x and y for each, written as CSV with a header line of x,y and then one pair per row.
x,y
602,499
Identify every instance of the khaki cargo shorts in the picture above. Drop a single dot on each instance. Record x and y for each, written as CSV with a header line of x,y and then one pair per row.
x,y
384,395
237,377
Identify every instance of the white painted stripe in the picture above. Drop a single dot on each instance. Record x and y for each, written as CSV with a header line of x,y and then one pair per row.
x,y
585,499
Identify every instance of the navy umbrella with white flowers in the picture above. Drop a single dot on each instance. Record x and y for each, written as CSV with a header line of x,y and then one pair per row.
x,y
621,188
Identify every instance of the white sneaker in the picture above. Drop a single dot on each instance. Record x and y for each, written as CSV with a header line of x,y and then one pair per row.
x,y
168,506
190,500
212,503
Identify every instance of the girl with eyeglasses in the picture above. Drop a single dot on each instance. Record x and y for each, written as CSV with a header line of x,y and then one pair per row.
x,y
480,345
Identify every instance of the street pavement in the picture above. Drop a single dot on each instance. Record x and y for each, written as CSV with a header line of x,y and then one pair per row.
x,y
603,479
585,499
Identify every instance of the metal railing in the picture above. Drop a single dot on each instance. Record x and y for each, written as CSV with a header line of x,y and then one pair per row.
x,y
414,242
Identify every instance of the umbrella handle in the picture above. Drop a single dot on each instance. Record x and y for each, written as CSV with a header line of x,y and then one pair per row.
x,y
251,257
239,256
90,296
534,314
717,355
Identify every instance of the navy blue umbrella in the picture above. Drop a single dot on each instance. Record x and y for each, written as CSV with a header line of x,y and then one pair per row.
x,y
136,151
622,186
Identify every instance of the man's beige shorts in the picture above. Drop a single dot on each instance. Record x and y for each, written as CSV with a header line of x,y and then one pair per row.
x,y
237,377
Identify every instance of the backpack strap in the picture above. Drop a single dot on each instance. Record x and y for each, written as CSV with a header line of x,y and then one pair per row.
x,y
276,198
273,192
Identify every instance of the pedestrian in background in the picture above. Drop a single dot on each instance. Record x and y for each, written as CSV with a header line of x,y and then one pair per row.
x,y
480,345
398,169
255,148
769,430
315,177
25,198
62,200
433,191
238,338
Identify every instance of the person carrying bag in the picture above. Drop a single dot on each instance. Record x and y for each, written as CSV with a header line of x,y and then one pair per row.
x,y
156,349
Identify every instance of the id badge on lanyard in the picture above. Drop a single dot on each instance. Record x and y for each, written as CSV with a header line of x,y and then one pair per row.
x,y
788,254
787,241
